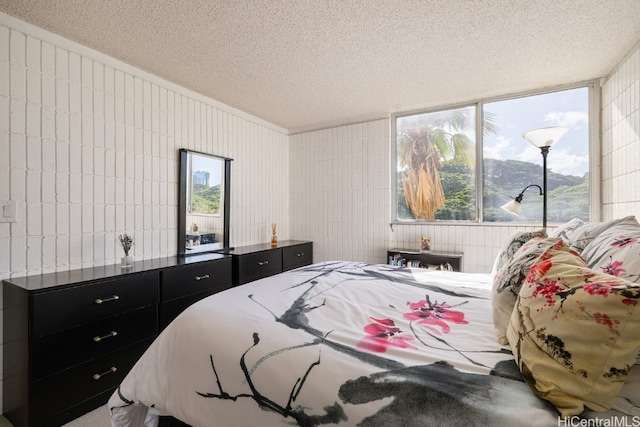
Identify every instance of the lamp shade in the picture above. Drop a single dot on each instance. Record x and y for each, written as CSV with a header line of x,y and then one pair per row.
x,y
513,207
545,137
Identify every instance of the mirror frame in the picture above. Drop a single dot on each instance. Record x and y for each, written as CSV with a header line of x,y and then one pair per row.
x,y
182,201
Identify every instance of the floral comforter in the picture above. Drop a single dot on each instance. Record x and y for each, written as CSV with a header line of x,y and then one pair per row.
x,y
334,343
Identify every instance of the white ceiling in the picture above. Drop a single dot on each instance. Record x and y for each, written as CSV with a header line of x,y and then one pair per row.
x,y
308,64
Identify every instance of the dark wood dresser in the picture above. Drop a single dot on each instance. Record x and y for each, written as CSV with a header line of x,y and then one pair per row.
x,y
254,262
69,338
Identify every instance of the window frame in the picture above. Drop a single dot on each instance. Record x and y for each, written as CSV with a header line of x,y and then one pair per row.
x,y
594,101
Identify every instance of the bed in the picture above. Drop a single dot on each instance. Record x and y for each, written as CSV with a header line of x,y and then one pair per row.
x,y
349,343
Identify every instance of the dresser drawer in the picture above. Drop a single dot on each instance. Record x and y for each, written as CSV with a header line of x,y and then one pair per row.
x,y
189,279
297,256
257,265
53,394
171,309
68,307
55,352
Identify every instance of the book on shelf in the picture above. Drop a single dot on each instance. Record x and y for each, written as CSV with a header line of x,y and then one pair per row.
x,y
401,261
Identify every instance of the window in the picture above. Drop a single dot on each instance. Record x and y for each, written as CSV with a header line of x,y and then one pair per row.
x,y
440,177
436,165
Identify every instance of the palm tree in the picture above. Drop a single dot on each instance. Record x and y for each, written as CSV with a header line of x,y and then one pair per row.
x,y
424,142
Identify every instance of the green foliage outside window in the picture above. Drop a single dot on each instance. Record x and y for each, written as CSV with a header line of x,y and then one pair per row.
x,y
205,200
437,171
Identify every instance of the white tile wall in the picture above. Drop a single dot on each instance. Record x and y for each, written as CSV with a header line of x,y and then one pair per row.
x,y
340,190
88,150
621,139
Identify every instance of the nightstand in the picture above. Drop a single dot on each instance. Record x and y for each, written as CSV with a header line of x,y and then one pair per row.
x,y
430,260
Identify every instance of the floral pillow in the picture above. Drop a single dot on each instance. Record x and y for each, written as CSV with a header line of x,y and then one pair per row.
x,y
575,332
616,251
566,230
580,237
508,280
511,246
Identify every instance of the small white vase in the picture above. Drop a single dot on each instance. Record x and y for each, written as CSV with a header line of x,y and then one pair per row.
x,y
127,261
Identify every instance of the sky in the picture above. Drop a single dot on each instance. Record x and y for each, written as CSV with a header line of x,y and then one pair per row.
x,y
569,108
213,165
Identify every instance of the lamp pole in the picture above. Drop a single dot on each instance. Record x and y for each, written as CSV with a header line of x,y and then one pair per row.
x,y
545,151
544,138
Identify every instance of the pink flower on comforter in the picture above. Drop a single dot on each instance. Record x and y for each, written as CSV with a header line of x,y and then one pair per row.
x,y
434,314
384,334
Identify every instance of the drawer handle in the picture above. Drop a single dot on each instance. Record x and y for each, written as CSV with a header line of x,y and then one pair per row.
x,y
206,276
99,338
111,370
299,254
111,298
261,263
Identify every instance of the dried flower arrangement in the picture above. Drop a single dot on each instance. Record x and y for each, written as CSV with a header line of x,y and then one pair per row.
x,y
126,242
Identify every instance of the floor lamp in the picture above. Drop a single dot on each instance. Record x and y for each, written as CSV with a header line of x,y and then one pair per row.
x,y
542,138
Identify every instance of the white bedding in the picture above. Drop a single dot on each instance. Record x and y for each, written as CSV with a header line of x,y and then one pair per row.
x,y
317,346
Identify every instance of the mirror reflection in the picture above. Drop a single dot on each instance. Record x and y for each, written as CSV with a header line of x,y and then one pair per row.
x,y
203,217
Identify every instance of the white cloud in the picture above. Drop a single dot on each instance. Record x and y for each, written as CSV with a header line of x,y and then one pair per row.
x,y
501,150
567,118
562,161
558,160
530,154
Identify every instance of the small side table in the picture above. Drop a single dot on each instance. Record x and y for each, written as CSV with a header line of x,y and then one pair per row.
x,y
430,260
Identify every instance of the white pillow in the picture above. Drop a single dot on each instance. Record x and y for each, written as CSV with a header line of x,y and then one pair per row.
x,y
567,229
583,235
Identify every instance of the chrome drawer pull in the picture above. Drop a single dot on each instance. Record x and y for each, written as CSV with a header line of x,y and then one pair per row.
x,y
206,276
111,370
104,337
299,254
261,263
111,298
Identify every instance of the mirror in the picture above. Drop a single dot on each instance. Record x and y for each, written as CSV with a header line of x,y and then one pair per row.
x,y
203,202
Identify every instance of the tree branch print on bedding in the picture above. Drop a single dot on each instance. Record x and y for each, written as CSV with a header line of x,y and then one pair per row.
x,y
557,291
383,332
438,394
433,316
295,317
333,414
561,290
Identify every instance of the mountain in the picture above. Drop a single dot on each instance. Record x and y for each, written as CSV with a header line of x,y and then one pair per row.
x,y
567,195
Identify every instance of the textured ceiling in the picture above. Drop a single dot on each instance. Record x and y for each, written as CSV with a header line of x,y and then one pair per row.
x,y
308,64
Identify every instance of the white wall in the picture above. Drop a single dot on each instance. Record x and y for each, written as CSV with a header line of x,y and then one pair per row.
x,y
88,150
340,190
621,139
